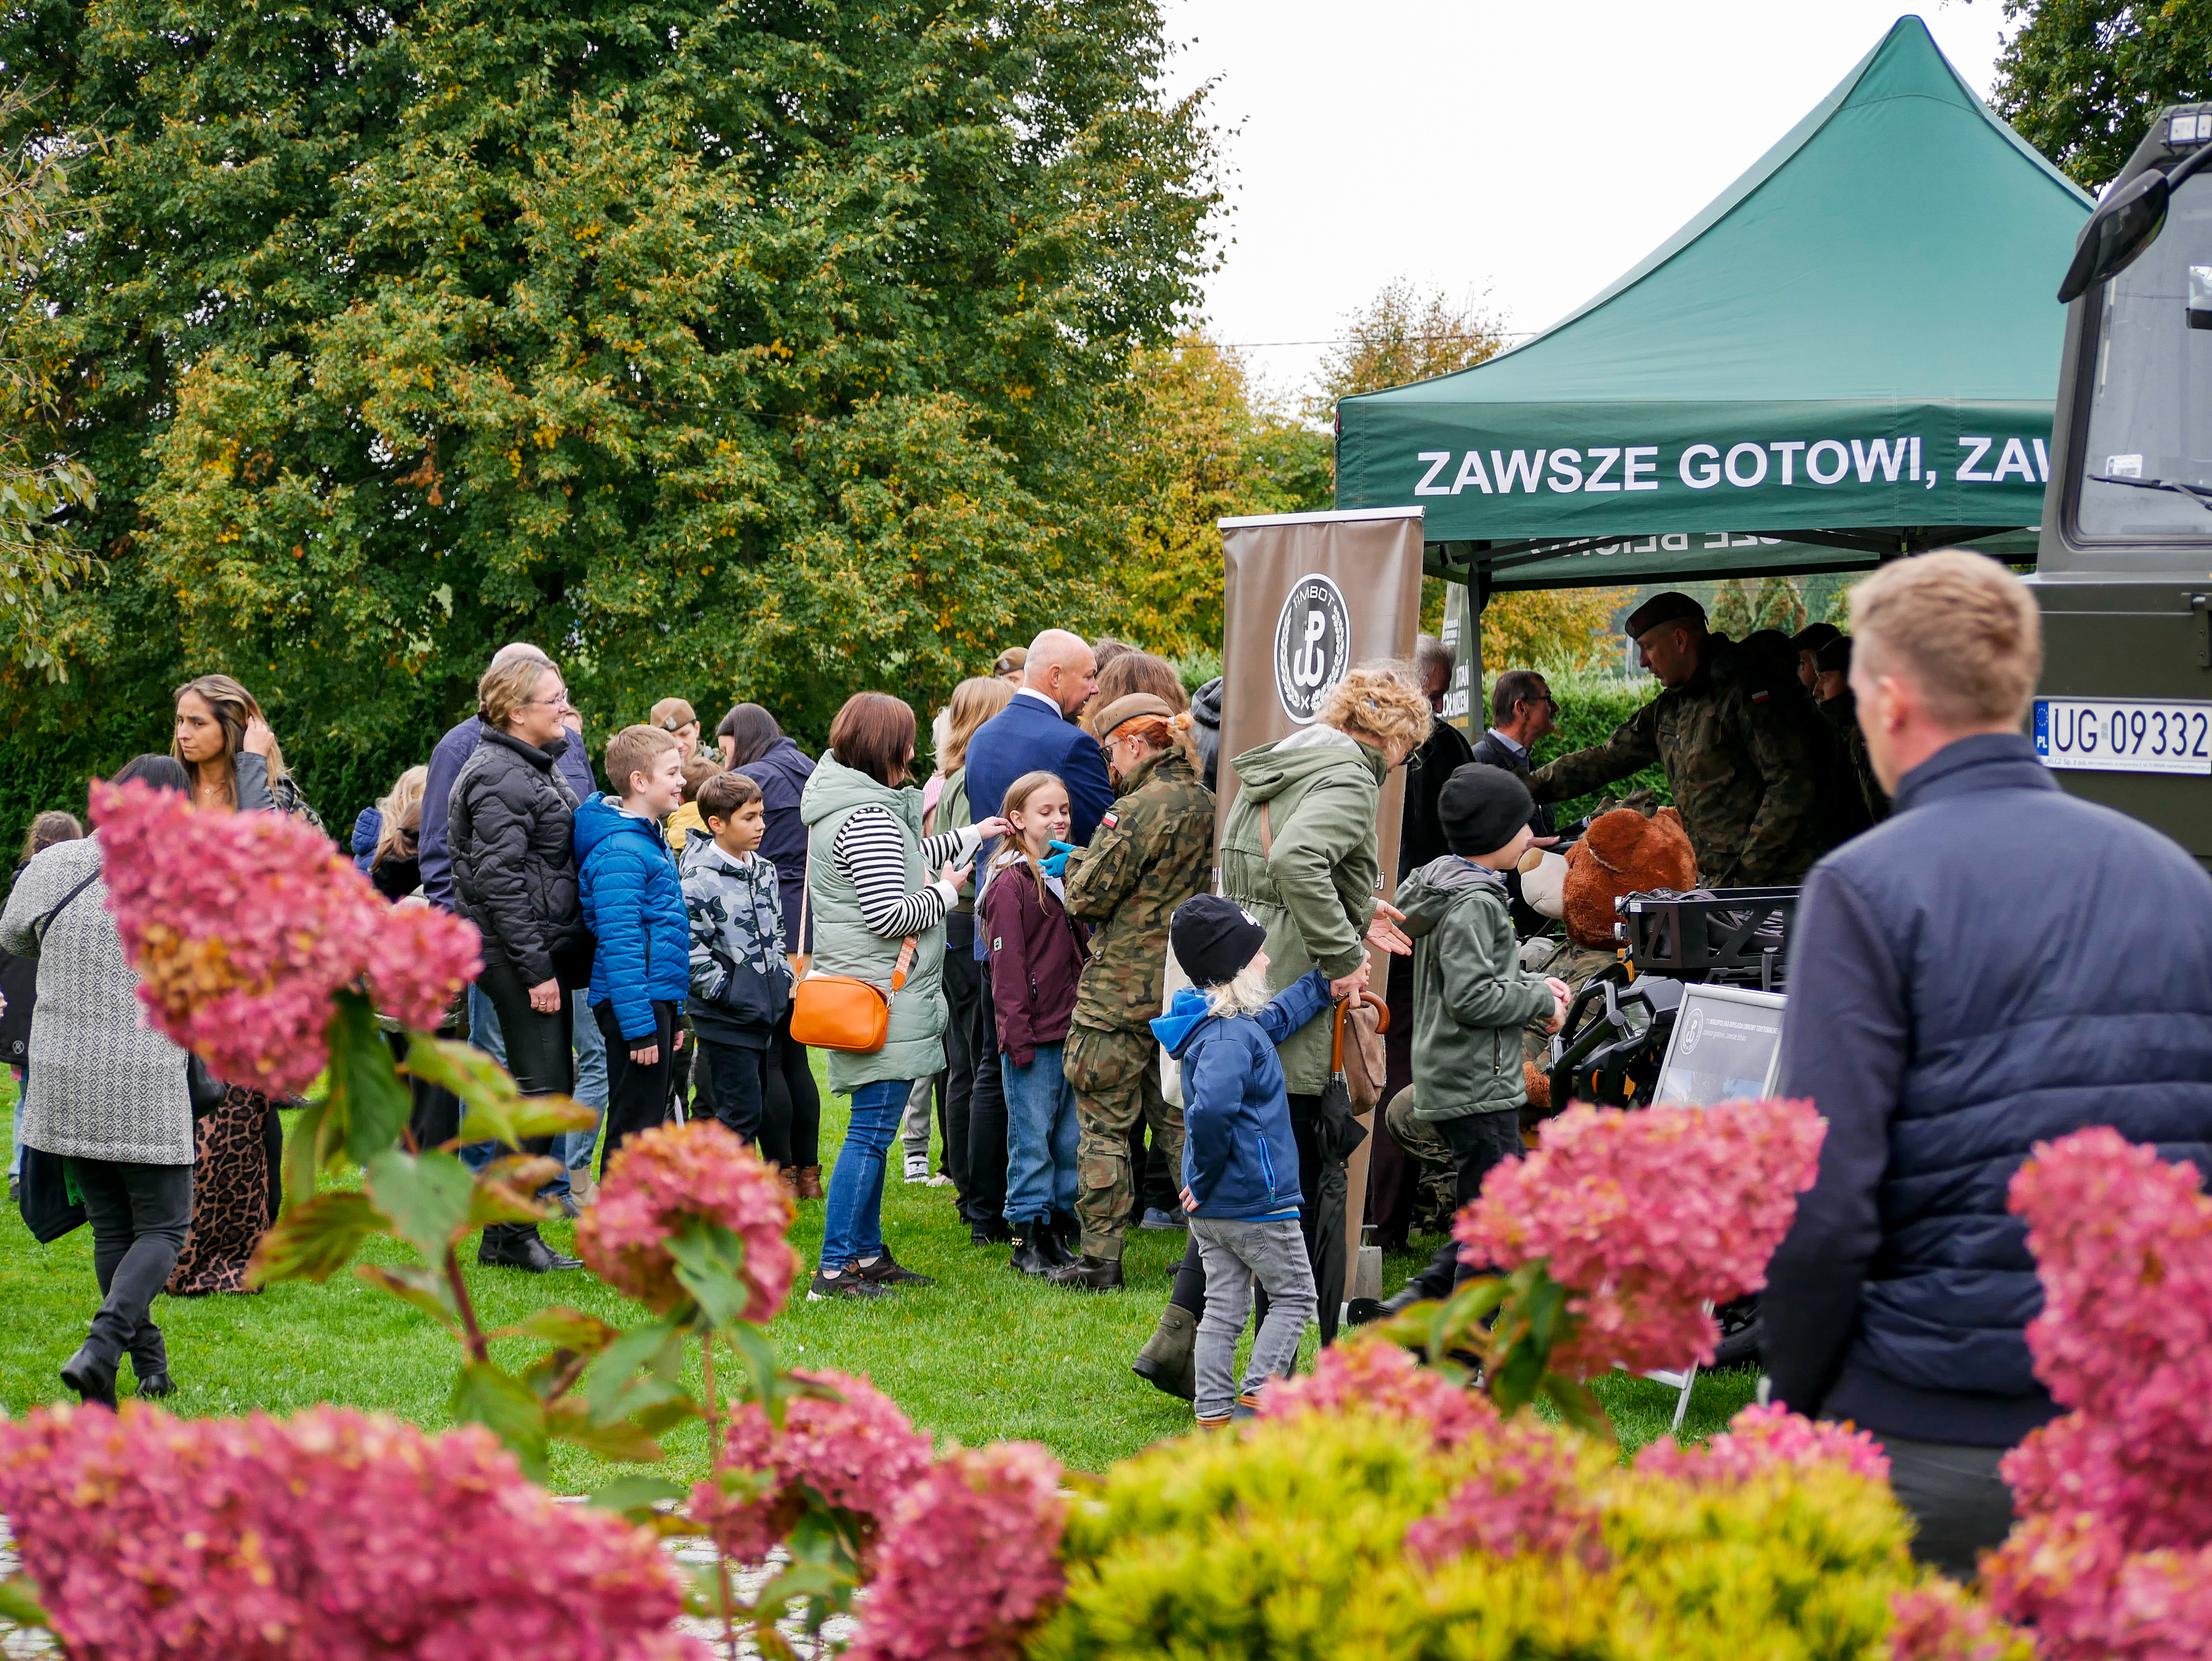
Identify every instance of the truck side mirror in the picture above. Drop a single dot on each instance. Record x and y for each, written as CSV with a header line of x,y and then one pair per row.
x,y
2120,230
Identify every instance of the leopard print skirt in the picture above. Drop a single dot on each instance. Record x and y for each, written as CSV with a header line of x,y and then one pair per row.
x,y
230,1196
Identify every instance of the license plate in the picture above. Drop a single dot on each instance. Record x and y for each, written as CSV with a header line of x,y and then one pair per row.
x,y
2124,735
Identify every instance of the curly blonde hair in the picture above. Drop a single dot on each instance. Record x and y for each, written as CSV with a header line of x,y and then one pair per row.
x,y
1379,701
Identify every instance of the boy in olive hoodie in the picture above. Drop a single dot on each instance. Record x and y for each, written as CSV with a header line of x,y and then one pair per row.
x,y
1471,997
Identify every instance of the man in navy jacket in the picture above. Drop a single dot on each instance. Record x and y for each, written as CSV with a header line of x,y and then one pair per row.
x,y
1036,731
1998,964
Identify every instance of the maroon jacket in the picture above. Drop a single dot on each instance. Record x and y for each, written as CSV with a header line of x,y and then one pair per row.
x,y
1037,955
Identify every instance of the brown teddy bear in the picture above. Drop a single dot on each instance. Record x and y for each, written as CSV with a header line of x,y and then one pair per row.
x,y
1622,852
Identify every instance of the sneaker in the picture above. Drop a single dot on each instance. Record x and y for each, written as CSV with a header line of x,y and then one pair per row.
x,y
845,1283
939,1180
917,1167
888,1271
1155,1219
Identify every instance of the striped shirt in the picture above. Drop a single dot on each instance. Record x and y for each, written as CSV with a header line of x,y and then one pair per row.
x,y
871,852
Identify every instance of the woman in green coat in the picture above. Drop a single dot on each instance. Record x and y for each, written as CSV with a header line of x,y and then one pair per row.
x,y
1301,851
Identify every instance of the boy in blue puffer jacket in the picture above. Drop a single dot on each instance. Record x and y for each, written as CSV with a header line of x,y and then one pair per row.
x,y
1240,1160
633,903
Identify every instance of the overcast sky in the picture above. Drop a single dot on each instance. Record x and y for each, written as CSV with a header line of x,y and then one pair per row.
x,y
1528,153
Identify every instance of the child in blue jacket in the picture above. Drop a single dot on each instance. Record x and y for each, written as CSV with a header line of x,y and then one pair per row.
x,y
633,903
1240,1160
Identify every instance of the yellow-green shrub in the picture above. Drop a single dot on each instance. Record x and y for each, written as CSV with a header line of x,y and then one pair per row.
x,y
1286,1540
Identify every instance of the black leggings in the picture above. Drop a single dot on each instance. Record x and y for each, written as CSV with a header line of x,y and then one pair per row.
x,y
539,1053
791,1115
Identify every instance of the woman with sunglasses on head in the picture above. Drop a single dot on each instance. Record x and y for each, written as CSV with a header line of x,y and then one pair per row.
x,y
511,831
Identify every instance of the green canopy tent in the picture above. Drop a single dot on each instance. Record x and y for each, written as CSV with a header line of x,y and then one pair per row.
x,y
1850,353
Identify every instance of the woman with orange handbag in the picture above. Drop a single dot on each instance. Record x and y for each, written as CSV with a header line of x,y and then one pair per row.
x,y
878,925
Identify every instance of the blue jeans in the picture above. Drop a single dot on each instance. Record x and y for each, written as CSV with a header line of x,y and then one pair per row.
x,y
1040,1136
575,1147
853,1223
484,1035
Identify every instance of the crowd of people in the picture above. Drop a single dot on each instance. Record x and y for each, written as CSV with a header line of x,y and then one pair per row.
x,y
1108,1003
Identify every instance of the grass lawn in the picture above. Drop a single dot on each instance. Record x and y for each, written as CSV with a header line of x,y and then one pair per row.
x,y
984,1354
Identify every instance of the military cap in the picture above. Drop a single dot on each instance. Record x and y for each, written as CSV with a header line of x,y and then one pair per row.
x,y
1128,708
1836,655
1669,607
1813,635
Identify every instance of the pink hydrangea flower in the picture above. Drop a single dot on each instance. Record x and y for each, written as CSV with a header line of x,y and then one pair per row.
x,y
1525,1500
1940,1622
1382,1378
2112,1556
337,1536
1646,1216
241,926
860,1453
660,1177
970,1562
1763,1439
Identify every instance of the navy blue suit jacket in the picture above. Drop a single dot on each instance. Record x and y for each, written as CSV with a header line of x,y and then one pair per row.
x,y
1029,736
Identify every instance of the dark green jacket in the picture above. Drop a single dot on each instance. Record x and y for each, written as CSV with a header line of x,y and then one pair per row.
x,y
1152,851
1309,877
1471,997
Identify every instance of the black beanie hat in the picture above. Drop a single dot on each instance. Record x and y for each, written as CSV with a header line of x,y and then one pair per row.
x,y
1214,939
1482,807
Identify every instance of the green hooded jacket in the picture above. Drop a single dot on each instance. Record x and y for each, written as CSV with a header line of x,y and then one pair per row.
x,y
1471,997
1310,880
914,1046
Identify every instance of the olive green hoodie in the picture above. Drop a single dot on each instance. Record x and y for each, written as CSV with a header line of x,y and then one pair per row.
x,y
1471,997
1310,881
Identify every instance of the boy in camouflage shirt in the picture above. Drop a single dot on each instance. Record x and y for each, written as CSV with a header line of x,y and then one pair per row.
x,y
741,982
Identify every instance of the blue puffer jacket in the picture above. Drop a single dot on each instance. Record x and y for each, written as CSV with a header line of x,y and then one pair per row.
x,y
1240,1160
1997,964
633,902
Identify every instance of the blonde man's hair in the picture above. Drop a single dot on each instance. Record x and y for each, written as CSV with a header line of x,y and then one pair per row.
x,y
510,683
1380,701
635,750
1959,627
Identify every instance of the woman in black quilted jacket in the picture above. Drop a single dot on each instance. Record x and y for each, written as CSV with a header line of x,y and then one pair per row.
x,y
511,830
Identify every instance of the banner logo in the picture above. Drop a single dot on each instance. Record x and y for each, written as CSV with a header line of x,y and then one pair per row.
x,y
1313,645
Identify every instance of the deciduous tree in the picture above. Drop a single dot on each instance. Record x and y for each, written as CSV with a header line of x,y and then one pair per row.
x,y
2081,79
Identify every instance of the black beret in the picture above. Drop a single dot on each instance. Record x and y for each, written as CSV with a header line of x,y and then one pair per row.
x,y
1669,607
1836,654
1813,635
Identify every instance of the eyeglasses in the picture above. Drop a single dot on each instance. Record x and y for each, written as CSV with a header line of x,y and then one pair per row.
x,y
560,701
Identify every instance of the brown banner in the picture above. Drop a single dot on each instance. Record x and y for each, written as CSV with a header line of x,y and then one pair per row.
x,y
1308,595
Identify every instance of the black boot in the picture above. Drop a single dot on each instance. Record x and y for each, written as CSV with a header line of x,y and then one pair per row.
x,y
1052,1246
1090,1274
1169,1361
1029,1256
92,1379
516,1245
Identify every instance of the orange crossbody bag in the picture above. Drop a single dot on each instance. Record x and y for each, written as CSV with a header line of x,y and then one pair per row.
x,y
842,1011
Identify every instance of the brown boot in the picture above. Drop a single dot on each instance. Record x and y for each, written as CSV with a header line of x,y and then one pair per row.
x,y
810,1181
789,1178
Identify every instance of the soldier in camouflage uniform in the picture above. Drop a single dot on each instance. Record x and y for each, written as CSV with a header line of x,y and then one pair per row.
x,y
1747,757
1152,851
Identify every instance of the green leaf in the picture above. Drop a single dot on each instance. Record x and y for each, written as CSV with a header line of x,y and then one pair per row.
x,y
312,1242
658,1347
367,1098
506,1190
1577,1406
486,1395
567,1421
495,1110
426,1290
19,1603
768,1382
427,1195
708,1259
304,1150
565,1328
641,1492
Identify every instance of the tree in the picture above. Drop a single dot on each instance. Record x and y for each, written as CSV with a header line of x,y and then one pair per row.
x,y
1778,606
39,484
1401,336
1732,612
725,351
1552,629
2081,79
1196,447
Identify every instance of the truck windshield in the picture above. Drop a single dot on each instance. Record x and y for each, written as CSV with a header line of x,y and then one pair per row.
x,y
2146,462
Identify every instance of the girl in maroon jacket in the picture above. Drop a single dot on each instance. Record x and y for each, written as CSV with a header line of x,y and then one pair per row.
x,y
1036,954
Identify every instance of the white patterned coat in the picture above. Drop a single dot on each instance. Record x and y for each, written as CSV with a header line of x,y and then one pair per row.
x,y
103,1084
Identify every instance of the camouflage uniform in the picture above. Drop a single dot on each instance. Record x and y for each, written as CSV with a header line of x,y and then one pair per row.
x,y
1574,965
1152,851
1747,760
1435,1195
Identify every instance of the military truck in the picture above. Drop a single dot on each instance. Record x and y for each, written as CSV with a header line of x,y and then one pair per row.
x,y
2124,560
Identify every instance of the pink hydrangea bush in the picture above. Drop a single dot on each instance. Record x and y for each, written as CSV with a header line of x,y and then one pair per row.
x,y
969,1564
1941,1622
662,1177
1763,1439
241,926
1528,1497
1382,1378
860,1453
335,1536
2112,1554
1645,1217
